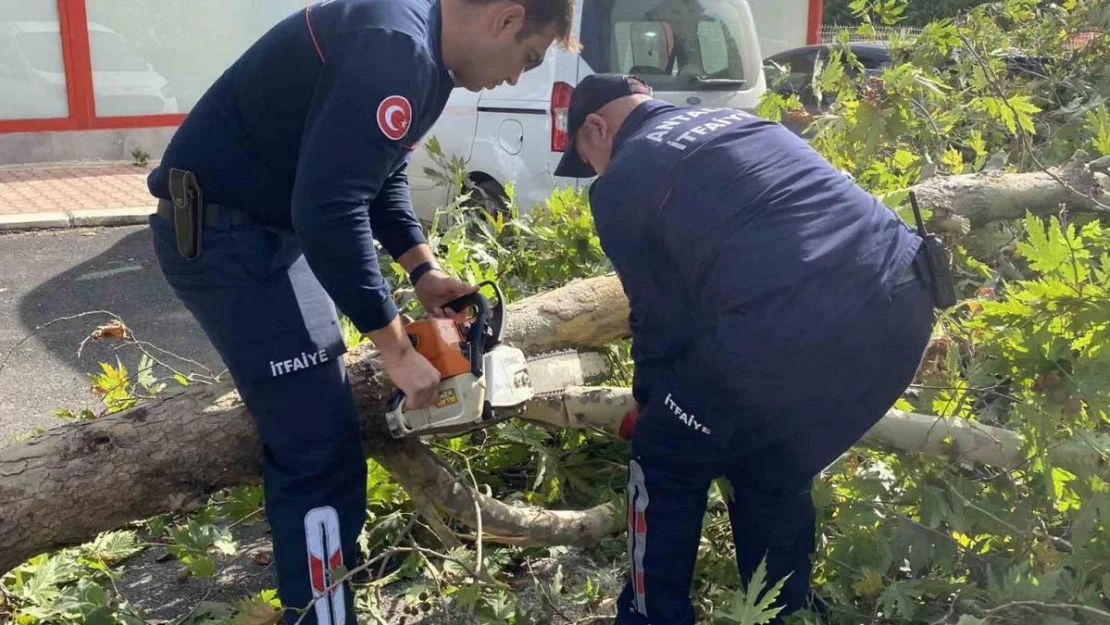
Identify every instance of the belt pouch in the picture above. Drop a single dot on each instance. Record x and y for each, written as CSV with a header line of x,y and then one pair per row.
x,y
188,212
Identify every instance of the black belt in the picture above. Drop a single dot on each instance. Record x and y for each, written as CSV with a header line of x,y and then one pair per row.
x,y
213,213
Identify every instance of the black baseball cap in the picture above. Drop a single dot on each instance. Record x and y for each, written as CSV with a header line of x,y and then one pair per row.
x,y
592,93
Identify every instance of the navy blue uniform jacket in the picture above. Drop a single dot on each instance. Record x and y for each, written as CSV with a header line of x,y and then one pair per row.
x,y
739,247
312,128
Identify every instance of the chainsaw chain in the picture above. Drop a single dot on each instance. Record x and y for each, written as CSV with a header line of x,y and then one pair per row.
x,y
551,354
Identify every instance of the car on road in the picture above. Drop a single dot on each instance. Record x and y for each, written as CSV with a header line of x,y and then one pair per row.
x,y
691,52
790,72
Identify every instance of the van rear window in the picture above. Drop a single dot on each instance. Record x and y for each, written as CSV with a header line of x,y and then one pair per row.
x,y
674,45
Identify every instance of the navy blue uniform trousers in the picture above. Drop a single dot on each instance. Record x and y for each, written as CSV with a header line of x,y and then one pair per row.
x,y
278,332
831,395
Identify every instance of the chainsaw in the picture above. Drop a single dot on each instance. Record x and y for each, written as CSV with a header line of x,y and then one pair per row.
x,y
482,380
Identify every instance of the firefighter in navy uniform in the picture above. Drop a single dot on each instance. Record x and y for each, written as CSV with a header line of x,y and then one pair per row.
x,y
777,312
272,193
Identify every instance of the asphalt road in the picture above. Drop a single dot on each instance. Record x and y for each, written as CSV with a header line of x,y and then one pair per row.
x,y
50,275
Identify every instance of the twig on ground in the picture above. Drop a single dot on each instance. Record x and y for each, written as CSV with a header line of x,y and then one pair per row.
x,y
546,595
7,356
369,563
435,578
478,517
951,609
1047,606
405,534
208,592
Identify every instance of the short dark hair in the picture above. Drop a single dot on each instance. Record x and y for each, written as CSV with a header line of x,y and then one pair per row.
x,y
540,14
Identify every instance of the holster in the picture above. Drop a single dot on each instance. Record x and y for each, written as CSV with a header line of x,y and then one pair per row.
x,y
188,212
937,259
938,262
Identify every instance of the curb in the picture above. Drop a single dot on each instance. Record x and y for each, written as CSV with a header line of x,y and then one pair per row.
x,y
85,218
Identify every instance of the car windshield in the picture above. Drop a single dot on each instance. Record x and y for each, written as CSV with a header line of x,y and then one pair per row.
x,y
674,45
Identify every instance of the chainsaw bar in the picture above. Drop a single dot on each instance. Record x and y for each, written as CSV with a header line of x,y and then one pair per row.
x,y
553,372
550,373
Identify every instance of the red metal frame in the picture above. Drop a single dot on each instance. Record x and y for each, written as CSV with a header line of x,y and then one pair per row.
x,y
74,27
816,13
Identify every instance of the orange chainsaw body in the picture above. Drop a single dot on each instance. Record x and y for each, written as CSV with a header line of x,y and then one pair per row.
x,y
441,342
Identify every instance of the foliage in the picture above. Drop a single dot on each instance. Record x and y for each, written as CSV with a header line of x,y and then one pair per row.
x,y
69,586
523,251
902,538
915,13
912,539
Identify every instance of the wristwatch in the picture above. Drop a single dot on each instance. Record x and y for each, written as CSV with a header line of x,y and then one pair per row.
x,y
421,269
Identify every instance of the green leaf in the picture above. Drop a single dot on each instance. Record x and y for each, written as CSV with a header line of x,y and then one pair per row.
x,y
1045,247
112,547
145,372
468,594
1024,109
207,611
751,605
901,598
967,619
50,573
1098,125
262,609
1013,112
243,501
88,601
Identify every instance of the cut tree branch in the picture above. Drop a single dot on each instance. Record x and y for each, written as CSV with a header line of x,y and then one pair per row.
x,y
960,440
990,196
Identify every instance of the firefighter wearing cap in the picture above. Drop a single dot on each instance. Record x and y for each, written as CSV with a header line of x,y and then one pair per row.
x,y
777,312
273,192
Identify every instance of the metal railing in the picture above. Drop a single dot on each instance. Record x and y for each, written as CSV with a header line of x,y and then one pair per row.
x,y
831,32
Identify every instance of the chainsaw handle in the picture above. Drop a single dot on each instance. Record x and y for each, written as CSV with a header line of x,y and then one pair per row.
x,y
478,339
476,336
497,312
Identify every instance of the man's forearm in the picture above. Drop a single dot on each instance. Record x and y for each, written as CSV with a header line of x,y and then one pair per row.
x,y
416,256
391,339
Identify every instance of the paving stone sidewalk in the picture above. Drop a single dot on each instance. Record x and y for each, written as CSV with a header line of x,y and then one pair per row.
x,y
73,194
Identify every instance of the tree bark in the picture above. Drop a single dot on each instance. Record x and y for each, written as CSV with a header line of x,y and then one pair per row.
x,y
990,196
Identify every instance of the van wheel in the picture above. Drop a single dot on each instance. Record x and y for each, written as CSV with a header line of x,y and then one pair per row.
x,y
490,197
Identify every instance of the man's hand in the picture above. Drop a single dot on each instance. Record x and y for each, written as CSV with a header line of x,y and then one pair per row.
x,y
413,374
436,288
409,371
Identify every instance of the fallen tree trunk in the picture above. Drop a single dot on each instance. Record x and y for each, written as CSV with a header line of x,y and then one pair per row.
x,y
991,195
67,485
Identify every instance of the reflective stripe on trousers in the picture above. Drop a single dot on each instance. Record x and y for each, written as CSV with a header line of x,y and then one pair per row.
x,y
637,531
325,554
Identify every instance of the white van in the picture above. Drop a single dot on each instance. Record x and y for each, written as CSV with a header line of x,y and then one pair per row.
x,y
691,52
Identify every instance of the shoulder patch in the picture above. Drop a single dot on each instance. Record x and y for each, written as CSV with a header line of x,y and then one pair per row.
x,y
394,116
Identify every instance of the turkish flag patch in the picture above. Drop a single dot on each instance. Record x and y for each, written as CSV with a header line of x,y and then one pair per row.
x,y
394,116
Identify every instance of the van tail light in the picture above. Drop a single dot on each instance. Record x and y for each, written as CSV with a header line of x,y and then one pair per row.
x,y
560,109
